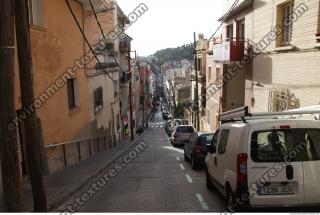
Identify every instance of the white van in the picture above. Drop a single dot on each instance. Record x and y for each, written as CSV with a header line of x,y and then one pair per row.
x,y
266,159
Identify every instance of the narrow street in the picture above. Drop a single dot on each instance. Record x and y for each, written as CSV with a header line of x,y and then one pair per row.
x,y
159,180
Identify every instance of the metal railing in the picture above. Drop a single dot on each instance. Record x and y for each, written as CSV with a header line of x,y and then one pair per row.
x,y
94,146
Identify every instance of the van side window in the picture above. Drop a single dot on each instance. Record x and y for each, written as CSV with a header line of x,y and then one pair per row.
x,y
222,147
294,145
215,141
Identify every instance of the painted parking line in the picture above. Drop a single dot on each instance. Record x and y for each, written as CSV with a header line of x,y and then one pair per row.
x,y
189,178
203,203
178,159
182,167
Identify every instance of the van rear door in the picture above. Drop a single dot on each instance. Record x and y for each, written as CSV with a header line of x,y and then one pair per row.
x,y
275,171
309,133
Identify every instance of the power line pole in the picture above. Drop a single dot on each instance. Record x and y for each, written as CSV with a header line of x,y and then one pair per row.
x,y
196,105
27,99
8,138
130,98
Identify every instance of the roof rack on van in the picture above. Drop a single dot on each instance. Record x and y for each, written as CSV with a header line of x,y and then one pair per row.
x,y
243,114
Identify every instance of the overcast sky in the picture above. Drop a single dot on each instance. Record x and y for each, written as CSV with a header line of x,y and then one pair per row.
x,y
171,23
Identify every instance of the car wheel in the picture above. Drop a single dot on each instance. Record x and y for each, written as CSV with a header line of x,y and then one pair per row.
x,y
231,205
210,185
194,163
185,156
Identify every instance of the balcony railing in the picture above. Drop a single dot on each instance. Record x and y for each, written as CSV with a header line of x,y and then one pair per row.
x,y
232,50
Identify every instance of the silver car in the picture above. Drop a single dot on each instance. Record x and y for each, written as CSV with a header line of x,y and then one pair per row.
x,y
181,134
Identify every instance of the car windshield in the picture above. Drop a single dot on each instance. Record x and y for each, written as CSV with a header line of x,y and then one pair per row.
x,y
285,145
205,139
185,129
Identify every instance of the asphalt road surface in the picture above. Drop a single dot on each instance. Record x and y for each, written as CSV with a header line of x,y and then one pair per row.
x,y
158,180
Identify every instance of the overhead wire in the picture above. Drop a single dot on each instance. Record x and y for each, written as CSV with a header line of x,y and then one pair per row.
x,y
222,22
107,44
86,40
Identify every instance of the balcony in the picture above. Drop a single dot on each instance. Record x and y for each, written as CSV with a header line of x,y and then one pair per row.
x,y
125,77
124,45
228,51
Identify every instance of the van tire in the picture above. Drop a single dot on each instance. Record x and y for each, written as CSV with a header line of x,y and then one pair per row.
x,y
210,185
230,201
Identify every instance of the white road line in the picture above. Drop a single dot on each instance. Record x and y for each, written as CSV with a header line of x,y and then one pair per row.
x,y
182,167
178,159
189,178
203,203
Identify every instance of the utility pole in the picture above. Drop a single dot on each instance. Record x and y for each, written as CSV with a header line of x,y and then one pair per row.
x,y
130,97
196,105
27,99
8,138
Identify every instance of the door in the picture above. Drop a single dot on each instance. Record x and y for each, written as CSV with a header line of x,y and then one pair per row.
x,y
211,157
221,156
275,171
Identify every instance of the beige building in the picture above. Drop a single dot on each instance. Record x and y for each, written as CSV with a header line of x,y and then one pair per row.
x,y
286,74
104,89
269,56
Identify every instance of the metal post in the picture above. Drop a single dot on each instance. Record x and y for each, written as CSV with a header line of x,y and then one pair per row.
x,y
90,147
98,143
196,102
64,155
79,150
130,98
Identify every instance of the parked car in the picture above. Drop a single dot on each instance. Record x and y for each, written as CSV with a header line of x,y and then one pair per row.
x,y
196,148
167,126
165,115
174,123
181,134
271,162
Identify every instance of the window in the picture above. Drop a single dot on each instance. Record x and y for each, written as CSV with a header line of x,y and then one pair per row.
x,y
185,129
72,85
222,147
115,89
209,73
35,12
229,32
285,145
215,141
98,99
205,139
241,30
285,20
218,73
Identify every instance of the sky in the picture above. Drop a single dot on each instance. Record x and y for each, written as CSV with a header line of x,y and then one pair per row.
x,y
171,23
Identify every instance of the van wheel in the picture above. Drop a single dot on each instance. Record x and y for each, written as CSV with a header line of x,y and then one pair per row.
x,y
194,163
231,205
210,185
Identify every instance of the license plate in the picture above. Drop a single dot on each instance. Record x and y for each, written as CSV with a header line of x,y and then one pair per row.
x,y
276,190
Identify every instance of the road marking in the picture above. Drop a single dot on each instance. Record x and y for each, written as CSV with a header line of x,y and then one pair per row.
x,y
203,203
182,167
178,159
189,178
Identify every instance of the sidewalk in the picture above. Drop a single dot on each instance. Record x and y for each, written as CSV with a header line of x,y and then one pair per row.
x,y
62,185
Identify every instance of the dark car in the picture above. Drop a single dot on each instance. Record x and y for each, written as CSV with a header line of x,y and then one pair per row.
x,y
196,148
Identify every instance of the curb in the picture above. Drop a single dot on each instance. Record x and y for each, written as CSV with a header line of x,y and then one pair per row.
x,y
68,195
